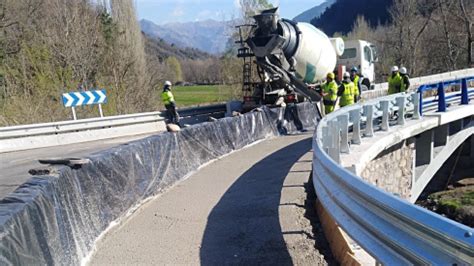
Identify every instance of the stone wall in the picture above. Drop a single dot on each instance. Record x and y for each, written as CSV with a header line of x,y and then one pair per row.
x,y
392,170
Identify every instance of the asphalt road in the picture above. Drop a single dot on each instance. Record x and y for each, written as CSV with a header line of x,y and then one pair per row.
x,y
248,208
14,166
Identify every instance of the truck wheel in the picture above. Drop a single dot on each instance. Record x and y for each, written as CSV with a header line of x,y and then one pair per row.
x,y
365,82
363,88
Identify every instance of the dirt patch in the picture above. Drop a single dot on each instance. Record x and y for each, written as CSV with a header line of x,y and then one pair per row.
x,y
321,243
456,203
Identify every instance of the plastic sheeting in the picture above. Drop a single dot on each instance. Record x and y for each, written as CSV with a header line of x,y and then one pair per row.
x,y
56,219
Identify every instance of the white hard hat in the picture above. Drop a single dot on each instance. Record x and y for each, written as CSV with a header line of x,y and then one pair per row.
x,y
167,83
346,75
394,69
403,70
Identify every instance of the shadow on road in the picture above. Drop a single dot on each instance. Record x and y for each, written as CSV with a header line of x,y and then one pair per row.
x,y
244,227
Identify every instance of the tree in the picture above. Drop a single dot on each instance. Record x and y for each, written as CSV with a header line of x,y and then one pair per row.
x,y
361,30
411,19
175,68
452,53
468,20
52,46
250,8
340,16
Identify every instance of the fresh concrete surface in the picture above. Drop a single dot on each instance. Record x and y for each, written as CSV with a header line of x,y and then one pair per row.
x,y
245,208
14,166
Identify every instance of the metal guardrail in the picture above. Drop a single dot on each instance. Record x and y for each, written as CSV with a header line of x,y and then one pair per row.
x,y
99,123
382,88
203,110
391,229
440,88
78,125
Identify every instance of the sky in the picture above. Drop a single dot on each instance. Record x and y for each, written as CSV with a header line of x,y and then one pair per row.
x,y
168,11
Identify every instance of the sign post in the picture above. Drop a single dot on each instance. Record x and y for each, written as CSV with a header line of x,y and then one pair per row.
x,y
100,110
73,99
74,113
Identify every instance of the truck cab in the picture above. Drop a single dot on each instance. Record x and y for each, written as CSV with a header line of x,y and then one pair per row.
x,y
360,54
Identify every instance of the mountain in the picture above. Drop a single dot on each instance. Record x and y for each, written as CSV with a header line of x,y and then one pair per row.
x,y
209,35
314,12
340,16
161,50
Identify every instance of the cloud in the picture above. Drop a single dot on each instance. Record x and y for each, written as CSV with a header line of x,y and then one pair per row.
x,y
237,4
178,12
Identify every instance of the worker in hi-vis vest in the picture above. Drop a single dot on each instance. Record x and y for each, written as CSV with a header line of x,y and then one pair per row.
x,y
347,91
405,79
356,78
329,92
168,100
394,81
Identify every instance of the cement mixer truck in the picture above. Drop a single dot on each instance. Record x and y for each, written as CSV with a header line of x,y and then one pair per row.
x,y
289,56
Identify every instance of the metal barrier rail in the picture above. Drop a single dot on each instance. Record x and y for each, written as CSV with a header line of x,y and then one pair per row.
x,y
391,229
382,88
203,110
99,123
441,92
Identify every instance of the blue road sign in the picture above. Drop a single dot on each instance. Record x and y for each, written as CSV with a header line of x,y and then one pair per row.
x,y
73,99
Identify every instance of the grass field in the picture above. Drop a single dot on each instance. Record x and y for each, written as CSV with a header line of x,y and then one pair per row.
x,y
201,94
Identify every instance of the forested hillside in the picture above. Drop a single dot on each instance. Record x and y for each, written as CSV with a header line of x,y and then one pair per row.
x,y
426,36
49,47
314,12
161,49
341,15
54,46
208,35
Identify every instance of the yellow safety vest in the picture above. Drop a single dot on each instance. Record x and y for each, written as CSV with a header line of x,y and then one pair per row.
x,y
356,81
394,84
331,90
167,97
348,95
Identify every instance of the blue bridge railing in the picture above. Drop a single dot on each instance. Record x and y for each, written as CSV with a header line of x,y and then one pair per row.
x,y
391,229
442,98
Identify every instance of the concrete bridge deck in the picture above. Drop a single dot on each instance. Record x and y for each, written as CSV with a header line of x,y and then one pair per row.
x,y
249,207
14,166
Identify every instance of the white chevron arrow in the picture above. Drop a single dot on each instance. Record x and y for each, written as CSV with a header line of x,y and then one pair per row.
x,y
102,96
81,98
69,100
91,97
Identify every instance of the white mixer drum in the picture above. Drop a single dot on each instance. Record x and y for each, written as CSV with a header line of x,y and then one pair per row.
x,y
338,45
315,55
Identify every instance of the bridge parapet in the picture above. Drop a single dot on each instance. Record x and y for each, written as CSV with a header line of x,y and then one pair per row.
x,y
381,89
391,229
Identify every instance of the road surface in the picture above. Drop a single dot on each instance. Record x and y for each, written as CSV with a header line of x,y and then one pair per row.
x,y
14,166
246,208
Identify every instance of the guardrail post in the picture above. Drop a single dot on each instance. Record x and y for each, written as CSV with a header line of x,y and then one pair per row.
x,y
441,98
369,123
355,115
326,139
401,110
416,105
343,121
420,91
335,141
385,115
464,93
